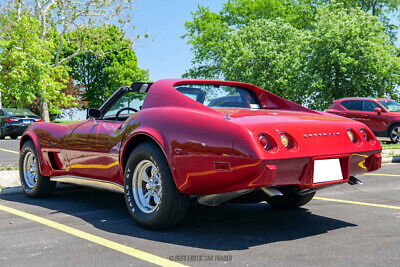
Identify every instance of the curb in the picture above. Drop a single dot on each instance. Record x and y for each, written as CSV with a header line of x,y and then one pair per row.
x,y
11,190
391,159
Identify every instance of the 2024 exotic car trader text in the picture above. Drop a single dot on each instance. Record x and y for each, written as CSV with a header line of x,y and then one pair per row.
x,y
167,144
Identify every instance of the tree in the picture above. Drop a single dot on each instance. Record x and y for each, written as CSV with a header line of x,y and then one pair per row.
x,y
208,31
25,72
383,9
55,19
351,55
345,52
271,54
113,66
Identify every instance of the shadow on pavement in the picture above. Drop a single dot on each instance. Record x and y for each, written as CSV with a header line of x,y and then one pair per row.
x,y
224,228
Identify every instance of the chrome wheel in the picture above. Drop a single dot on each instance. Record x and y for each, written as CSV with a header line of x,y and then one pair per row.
x,y
30,169
146,186
395,134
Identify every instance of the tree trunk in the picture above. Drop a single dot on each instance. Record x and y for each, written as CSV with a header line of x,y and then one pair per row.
x,y
44,110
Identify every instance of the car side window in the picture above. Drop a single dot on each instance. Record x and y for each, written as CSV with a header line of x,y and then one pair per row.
x,y
353,104
370,105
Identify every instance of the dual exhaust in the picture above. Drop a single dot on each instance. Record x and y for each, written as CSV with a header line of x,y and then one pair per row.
x,y
218,199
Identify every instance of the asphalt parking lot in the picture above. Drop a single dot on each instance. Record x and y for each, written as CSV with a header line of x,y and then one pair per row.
x,y
343,225
7,157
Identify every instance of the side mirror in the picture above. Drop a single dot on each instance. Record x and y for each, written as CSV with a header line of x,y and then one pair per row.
x,y
378,110
94,113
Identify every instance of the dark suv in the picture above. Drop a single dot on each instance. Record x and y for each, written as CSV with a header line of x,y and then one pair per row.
x,y
381,115
14,121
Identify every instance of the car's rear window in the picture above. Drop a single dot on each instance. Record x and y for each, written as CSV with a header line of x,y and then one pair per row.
x,y
223,96
392,106
18,112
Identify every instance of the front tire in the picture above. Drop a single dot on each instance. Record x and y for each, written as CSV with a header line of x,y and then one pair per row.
x,y
14,136
290,201
394,133
33,183
150,191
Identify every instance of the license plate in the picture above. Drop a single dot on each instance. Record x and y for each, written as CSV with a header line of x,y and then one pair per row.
x,y
327,170
26,121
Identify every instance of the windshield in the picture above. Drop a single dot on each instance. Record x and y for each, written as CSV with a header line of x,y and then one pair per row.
x,y
129,99
390,105
213,95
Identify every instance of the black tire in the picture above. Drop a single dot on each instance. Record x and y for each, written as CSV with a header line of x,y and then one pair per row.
x,y
14,136
2,136
43,187
394,138
290,201
172,204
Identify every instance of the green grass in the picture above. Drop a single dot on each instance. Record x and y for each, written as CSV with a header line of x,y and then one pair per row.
x,y
9,168
64,122
387,145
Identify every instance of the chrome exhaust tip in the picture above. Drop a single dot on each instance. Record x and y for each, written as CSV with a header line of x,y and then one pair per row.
x,y
353,180
218,199
271,191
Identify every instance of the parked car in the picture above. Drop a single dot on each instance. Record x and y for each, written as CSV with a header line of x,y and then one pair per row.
x,y
14,121
381,115
172,149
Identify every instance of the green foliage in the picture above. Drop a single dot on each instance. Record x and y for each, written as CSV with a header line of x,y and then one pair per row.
x,y
113,65
26,72
351,56
340,51
271,54
208,31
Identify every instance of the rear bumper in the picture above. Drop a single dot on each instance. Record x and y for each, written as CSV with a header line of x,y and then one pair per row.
x,y
18,129
246,173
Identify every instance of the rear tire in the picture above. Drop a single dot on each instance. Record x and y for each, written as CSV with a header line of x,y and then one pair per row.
x,y
14,136
33,183
394,133
151,195
290,201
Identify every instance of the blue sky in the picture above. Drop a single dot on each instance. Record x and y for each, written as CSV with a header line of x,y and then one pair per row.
x,y
164,53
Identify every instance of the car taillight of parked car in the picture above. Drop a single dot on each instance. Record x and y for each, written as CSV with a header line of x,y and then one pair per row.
x,y
10,120
38,120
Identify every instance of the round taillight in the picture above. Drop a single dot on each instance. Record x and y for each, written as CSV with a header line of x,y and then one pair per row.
x,y
351,136
364,133
284,140
264,142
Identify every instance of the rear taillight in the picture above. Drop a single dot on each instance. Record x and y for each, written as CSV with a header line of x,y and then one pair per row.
x,y
38,120
10,120
350,134
264,142
364,133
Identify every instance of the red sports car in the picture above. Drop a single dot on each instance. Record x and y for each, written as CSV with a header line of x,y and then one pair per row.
x,y
381,115
167,144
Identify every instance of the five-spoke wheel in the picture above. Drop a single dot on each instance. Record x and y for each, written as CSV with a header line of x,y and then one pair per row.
x,y
30,169
33,183
394,133
150,191
146,186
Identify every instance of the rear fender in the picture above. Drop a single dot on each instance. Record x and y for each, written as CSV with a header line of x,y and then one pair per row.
x,y
133,140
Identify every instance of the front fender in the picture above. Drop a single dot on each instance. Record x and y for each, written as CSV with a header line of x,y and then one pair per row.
x,y
30,135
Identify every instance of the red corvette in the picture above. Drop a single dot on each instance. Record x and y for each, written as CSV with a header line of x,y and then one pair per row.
x,y
173,142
